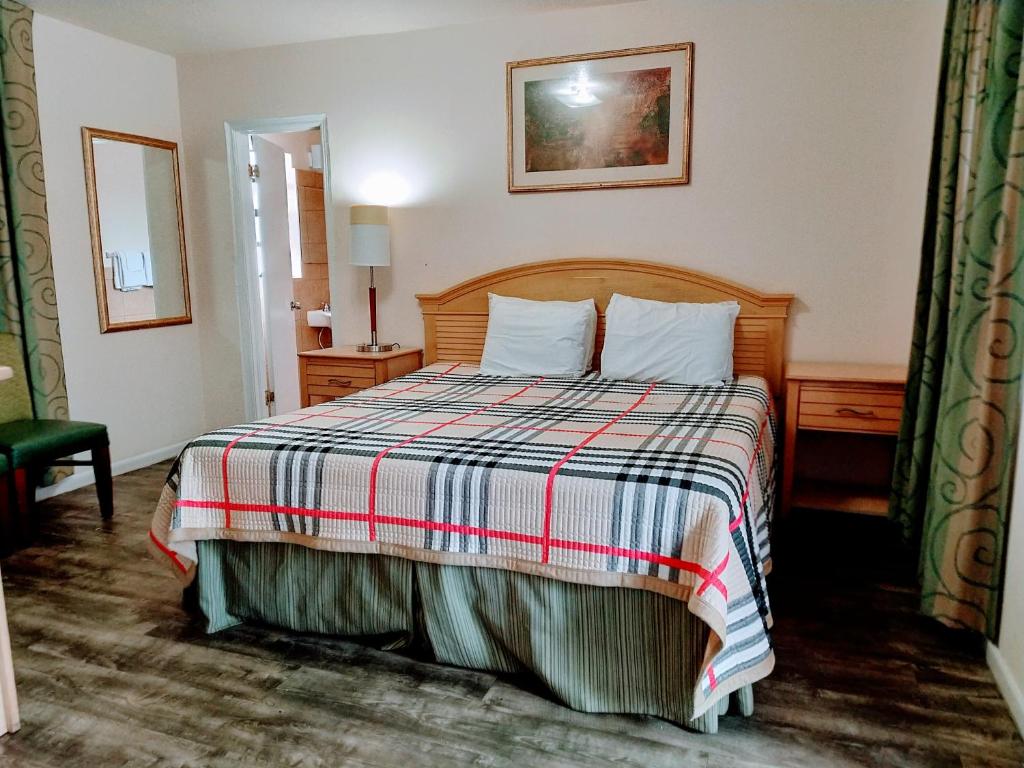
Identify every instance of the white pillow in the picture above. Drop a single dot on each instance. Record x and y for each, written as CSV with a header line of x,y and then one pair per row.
x,y
538,338
672,343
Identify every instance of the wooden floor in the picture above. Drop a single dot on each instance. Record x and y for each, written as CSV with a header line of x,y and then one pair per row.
x,y
112,672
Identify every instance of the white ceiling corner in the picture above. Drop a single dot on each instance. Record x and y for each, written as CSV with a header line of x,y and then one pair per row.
x,y
181,27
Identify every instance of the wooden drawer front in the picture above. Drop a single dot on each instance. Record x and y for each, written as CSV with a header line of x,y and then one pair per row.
x,y
330,393
858,409
337,380
328,380
341,370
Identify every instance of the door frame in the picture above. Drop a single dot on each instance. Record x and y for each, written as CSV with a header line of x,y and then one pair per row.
x,y
9,718
250,314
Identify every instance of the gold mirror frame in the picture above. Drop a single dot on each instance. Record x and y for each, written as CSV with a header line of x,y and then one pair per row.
x,y
88,134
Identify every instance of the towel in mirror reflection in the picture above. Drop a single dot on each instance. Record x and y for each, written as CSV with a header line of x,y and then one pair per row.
x,y
132,270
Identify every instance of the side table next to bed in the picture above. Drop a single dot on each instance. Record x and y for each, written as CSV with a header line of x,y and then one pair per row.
x,y
850,399
326,374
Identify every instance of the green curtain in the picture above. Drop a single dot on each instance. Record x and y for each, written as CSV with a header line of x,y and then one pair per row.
x,y
28,298
956,452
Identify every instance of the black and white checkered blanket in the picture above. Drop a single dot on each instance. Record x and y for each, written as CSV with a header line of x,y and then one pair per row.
x,y
660,487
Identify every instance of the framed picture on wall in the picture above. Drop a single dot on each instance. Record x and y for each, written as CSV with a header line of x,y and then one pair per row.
x,y
600,120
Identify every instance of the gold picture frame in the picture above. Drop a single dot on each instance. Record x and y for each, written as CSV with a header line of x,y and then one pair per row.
x,y
90,138
561,135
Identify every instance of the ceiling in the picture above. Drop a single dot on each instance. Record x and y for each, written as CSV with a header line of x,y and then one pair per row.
x,y
204,26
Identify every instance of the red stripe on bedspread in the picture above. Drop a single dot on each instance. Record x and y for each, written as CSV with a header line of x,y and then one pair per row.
x,y
233,443
375,467
236,441
713,580
549,489
431,380
750,473
174,558
709,577
525,428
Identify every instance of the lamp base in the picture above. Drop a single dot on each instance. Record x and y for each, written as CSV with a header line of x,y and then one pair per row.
x,y
376,347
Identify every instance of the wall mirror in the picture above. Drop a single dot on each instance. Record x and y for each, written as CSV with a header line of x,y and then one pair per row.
x,y
138,234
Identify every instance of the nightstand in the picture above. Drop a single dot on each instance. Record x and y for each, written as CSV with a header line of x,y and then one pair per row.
x,y
847,398
326,374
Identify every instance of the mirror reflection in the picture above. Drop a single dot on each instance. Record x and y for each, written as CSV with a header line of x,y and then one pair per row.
x,y
137,233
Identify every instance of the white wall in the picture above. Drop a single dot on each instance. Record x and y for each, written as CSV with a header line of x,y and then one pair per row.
x,y
297,144
811,143
144,385
1007,658
121,191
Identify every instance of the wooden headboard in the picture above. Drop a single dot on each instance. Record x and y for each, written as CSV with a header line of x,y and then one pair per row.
x,y
455,320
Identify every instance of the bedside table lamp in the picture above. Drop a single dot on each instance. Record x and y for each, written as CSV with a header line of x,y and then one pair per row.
x,y
369,246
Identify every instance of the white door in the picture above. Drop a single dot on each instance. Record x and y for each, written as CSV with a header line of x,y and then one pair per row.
x,y
8,697
272,221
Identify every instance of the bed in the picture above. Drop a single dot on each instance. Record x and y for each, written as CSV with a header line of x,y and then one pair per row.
x,y
610,538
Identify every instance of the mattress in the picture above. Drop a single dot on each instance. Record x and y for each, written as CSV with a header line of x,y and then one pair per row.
x,y
659,487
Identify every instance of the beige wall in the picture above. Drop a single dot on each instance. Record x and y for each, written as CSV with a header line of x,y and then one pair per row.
x,y
297,144
811,141
144,385
121,191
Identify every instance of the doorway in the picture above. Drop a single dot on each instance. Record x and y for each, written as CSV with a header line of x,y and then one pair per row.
x,y
280,181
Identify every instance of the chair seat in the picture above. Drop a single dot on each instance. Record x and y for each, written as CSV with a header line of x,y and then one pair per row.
x,y
33,441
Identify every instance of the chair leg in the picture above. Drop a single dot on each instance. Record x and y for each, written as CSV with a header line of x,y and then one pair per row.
x,y
24,491
104,482
7,512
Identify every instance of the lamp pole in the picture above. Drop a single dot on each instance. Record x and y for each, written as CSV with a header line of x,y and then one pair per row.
x,y
373,311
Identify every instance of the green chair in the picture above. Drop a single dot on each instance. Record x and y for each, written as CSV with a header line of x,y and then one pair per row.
x,y
29,446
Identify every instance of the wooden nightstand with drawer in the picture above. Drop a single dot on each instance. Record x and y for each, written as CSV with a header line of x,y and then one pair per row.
x,y
326,374
850,398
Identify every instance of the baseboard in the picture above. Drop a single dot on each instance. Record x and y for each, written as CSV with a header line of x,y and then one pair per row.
x,y
1009,687
84,476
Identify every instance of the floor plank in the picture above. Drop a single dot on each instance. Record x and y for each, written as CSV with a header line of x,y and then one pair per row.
x,y
112,672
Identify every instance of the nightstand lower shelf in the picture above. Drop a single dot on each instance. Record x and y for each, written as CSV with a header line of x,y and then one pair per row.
x,y
850,407
840,497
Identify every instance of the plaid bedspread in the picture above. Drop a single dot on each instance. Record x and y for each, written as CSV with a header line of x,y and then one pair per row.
x,y
660,487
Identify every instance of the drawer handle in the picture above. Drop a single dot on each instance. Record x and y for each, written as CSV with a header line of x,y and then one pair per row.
x,y
340,382
855,412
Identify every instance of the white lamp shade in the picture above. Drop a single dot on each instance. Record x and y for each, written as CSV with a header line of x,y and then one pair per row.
x,y
370,245
370,237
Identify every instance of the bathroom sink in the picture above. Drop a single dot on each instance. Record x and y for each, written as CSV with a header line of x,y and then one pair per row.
x,y
319,318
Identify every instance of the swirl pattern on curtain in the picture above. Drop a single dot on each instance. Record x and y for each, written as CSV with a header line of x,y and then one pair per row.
x,y
956,453
28,298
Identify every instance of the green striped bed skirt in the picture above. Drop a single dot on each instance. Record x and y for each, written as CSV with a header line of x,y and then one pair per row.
x,y
597,649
